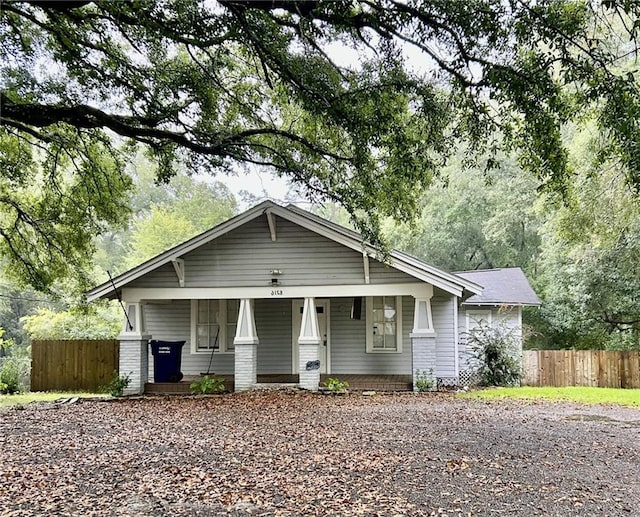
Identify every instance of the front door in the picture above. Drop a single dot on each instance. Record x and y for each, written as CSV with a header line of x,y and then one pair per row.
x,y
322,310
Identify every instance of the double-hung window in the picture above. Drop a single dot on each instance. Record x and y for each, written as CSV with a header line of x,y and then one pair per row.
x,y
213,325
384,324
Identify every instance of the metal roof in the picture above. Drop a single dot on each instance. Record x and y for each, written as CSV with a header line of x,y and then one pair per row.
x,y
504,286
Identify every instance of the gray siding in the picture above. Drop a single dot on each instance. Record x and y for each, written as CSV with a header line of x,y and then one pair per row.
x,y
172,322
442,309
273,325
348,342
245,257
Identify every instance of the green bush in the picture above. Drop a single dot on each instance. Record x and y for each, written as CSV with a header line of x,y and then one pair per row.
x,y
496,351
207,385
336,385
117,384
10,376
424,380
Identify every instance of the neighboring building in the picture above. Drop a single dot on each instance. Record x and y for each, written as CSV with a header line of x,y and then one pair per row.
x,y
278,290
505,292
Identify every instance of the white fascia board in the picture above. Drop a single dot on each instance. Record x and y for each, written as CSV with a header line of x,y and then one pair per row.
x,y
178,251
139,294
498,304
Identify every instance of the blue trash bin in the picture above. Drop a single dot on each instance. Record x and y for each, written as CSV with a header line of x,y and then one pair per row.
x,y
167,359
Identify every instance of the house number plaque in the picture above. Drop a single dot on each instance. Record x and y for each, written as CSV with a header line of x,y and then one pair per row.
x,y
277,292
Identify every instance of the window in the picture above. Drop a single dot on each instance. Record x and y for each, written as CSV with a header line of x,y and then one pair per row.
x,y
233,308
477,319
213,325
384,324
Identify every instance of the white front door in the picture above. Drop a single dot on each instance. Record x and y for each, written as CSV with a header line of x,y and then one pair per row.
x,y
322,310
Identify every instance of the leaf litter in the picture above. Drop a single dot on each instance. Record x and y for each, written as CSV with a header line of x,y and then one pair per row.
x,y
287,453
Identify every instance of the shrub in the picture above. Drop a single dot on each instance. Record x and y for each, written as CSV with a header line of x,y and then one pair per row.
x,y
424,380
336,385
117,385
15,369
10,376
496,351
207,385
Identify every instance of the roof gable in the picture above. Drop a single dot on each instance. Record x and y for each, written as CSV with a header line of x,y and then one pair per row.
x,y
409,265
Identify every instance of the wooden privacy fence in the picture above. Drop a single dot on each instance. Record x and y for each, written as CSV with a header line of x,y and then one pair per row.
x,y
80,365
604,369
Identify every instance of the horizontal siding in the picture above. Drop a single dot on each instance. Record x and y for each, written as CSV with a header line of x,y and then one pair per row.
x,y
442,309
384,274
348,342
172,322
273,325
245,256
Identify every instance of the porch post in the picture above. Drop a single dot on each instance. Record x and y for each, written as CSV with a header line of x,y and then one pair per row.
x,y
308,343
423,343
246,348
134,350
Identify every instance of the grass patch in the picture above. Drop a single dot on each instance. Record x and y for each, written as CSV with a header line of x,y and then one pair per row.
x,y
579,394
39,396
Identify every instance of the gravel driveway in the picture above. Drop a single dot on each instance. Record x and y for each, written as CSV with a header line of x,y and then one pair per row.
x,y
290,453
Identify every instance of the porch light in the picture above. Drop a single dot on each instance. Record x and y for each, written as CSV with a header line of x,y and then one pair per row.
x,y
276,271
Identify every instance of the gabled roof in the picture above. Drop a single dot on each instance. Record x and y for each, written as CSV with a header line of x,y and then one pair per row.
x,y
505,286
448,282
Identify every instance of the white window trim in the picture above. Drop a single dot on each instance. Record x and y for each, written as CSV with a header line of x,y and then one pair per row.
x,y
472,322
369,325
222,337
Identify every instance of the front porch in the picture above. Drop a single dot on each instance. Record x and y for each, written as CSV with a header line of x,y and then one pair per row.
x,y
357,382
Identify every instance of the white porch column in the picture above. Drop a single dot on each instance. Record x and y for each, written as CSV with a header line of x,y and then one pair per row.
x,y
246,348
423,342
134,350
308,343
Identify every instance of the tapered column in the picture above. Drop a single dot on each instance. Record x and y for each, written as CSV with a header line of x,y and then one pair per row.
x,y
308,343
423,343
246,348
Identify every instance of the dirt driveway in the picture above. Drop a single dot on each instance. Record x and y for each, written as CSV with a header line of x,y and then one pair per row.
x,y
284,453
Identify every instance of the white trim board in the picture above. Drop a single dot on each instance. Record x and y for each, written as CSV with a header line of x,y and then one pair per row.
x,y
137,294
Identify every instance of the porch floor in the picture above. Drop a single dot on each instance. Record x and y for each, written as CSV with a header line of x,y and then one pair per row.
x,y
357,382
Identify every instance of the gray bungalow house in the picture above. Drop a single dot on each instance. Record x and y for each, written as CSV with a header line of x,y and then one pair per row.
x,y
278,291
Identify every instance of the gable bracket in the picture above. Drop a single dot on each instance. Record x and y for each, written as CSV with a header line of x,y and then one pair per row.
x,y
271,219
178,265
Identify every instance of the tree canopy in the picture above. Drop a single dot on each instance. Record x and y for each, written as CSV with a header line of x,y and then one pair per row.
x,y
219,85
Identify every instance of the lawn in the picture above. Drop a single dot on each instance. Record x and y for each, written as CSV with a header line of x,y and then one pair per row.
x,y
579,394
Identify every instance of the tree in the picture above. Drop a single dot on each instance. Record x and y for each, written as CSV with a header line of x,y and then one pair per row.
x,y
163,216
100,321
236,82
475,219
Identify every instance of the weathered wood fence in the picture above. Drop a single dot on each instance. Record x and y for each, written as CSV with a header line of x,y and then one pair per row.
x,y
78,365
604,369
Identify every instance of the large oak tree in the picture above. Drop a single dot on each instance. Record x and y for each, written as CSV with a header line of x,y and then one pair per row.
x,y
218,85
